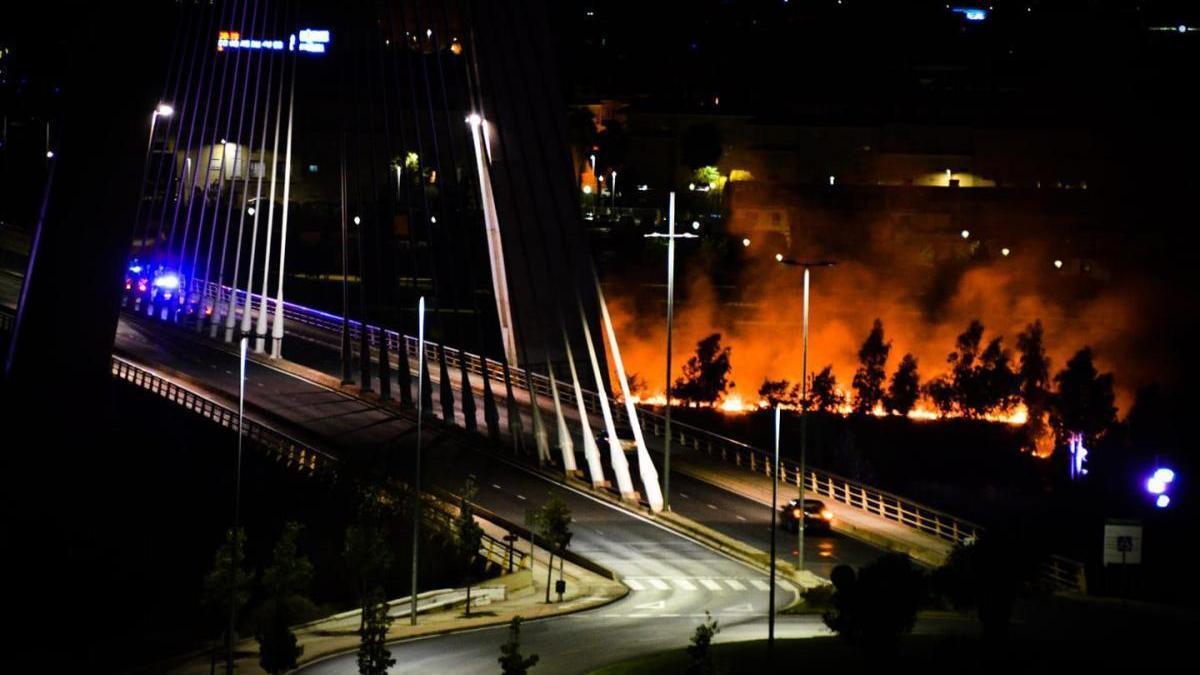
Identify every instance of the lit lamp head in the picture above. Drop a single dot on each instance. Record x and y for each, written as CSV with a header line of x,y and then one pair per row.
x,y
164,110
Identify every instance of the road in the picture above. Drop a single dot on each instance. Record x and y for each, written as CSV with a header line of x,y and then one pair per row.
x,y
673,580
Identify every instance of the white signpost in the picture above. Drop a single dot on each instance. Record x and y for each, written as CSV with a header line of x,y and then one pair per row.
x,y
1122,542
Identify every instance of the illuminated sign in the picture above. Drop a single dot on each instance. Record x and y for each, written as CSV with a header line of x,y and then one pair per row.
x,y
971,13
307,40
1079,456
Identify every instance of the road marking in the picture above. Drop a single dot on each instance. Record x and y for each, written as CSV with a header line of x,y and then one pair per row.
x,y
760,584
712,507
660,604
659,584
684,584
521,497
787,587
711,585
497,486
741,518
684,496
743,608
635,584
735,584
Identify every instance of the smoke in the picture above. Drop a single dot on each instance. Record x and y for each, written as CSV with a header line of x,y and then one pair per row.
x,y
925,288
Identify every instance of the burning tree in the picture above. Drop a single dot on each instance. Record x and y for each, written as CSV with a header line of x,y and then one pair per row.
x,y
905,389
870,377
1084,402
775,392
979,381
823,394
706,374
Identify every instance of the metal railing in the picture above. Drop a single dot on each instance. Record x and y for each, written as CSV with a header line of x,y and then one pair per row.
x,y
741,455
293,453
1064,574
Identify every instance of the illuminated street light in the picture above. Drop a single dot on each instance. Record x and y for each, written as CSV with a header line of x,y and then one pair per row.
x,y
1005,251
164,110
695,225
966,234
49,154
357,220
746,242
250,211
807,265
1058,264
587,189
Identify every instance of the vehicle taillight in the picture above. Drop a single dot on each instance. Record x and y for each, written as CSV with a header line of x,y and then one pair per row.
x,y
796,513
827,514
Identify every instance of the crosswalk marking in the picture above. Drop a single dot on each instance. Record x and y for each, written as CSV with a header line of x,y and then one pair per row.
x,y
711,585
635,584
659,584
760,584
690,584
735,584
684,584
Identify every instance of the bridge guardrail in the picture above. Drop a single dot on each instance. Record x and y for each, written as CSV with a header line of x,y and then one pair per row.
x,y
295,454
862,497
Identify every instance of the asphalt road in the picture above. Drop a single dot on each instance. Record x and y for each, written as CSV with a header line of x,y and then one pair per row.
x,y
673,580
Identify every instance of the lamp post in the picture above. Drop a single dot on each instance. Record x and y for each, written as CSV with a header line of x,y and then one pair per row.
x,y
774,512
237,504
416,526
670,237
807,265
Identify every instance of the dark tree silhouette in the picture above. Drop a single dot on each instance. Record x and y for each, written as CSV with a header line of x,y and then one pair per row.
x,y
905,389
553,525
365,549
1084,401
228,581
1034,368
374,658
997,385
706,373
468,537
871,374
286,582
700,660
877,606
775,392
823,395
511,660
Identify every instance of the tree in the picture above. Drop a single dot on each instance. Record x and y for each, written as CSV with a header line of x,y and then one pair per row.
x,y
228,582
699,651
365,549
637,384
774,392
374,658
1084,401
468,537
701,146
966,386
998,386
823,394
553,524
877,606
706,374
511,660
870,376
905,389
286,582
1033,369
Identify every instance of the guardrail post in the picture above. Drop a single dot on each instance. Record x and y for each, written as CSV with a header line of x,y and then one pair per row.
x,y
751,462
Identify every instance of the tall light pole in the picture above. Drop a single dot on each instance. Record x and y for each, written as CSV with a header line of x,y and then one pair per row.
x,y
807,265
163,110
237,505
774,512
416,525
670,237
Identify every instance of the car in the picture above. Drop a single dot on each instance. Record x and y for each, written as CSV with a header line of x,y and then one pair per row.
x,y
817,518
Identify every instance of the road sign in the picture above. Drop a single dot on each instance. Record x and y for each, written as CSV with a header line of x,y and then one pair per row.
x,y
1122,542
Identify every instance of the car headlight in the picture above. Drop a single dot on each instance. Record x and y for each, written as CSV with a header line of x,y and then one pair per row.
x,y
827,514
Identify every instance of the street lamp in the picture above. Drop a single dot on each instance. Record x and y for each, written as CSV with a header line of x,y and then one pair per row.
x,y
416,526
803,395
774,509
670,237
237,504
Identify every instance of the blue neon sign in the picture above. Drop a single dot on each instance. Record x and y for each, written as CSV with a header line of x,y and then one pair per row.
x,y
308,40
971,13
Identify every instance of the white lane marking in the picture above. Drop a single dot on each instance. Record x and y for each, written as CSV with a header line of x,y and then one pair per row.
x,y
711,585
635,584
684,584
684,496
652,605
743,608
760,584
712,507
659,584
741,518
735,584
497,486
521,497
